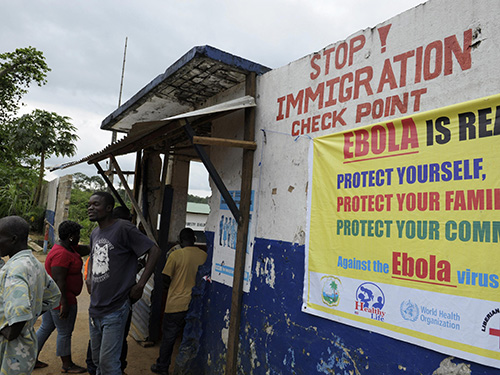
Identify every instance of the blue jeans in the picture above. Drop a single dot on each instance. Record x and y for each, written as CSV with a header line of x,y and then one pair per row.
x,y
51,321
106,339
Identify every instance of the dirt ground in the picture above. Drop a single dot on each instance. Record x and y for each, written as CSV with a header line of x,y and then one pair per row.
x,y
139,358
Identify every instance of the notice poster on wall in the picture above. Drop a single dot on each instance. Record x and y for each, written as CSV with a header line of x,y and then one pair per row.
x,y
225,244
404,229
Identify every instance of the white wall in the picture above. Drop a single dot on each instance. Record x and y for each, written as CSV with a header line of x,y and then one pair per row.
x,y
428,30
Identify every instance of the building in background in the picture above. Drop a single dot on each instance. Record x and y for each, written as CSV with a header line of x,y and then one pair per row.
x,y
196,219
365,267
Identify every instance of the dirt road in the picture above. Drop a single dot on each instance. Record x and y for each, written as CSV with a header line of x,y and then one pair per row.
x,y
139,359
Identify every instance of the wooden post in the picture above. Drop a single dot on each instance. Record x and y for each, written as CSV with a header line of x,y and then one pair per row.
x,y
137,209
242,238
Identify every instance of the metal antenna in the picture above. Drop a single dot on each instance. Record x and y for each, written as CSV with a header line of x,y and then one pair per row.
x,y
114,133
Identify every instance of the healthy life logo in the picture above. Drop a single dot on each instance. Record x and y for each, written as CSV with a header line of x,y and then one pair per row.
x,y
330,292
370,299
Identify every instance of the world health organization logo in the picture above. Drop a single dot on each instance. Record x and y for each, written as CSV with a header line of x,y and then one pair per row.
x,y
330,292
409,310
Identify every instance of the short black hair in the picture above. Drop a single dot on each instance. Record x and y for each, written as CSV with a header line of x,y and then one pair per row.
x,y
108,198
67,228
187,234
16,226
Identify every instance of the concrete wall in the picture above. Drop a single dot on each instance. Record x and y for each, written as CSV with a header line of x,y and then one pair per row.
x,y
437,54
56,199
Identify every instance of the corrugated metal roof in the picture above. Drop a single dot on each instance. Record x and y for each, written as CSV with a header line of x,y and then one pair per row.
x,y
145,134
201,73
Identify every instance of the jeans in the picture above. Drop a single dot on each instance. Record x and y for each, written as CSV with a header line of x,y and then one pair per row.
x,y
173,324
51,321
106,339
123,357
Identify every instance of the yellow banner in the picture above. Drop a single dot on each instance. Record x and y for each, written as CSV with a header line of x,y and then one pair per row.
x,y
412,203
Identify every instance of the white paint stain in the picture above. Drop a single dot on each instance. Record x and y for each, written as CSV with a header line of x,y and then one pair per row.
x,y
225,330
266,269
269,272
253,355
257,268
269,330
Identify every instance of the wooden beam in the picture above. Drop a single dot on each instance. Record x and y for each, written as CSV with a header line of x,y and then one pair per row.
x,y
212,172
137,209
211,141
109,183
242,236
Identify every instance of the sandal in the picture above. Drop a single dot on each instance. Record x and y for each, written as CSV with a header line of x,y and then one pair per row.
x,y
74,369
40,364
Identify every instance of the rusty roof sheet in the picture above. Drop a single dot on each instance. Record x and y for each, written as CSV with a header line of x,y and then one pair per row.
x,y
201,73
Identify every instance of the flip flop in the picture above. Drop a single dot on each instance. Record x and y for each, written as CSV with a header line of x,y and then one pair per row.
x,y
73,369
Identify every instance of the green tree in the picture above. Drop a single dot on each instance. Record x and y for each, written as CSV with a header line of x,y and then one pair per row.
x,y
40,135
78,212
197,199
18,70
85,183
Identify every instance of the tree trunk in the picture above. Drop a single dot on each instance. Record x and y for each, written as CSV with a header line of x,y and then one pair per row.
x,y
38,190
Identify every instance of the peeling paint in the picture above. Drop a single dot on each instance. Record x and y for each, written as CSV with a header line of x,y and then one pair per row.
x,y
300,237
269,330
225,330
289,359
253,355
266,269
447,367
341,360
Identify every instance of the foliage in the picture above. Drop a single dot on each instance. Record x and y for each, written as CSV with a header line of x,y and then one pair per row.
x,y
196,199
17,184
78,212
86,183
35,217
18,70
39,135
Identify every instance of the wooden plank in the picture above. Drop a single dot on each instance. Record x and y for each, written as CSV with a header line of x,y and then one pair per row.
x,y
242,237
130,195
214,175
109,183
211,141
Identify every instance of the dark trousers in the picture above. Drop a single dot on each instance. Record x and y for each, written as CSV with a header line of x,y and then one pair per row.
x,y
173,324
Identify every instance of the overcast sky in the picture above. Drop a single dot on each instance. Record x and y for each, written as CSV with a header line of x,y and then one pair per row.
x,y
83,42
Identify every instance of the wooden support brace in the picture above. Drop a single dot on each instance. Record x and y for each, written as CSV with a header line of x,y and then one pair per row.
x,y
109,183
137,209
211,141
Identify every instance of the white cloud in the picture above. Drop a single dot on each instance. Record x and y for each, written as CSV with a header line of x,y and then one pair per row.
x,y
83,43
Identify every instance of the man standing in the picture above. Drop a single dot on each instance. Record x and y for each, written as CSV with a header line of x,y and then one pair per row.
x,y
115,246
179,277
26,291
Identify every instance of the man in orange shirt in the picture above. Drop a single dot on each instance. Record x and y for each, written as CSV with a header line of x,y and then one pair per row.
x,y
179,276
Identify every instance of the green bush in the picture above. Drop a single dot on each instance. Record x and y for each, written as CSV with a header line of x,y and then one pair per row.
x,y
78,213
17,184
